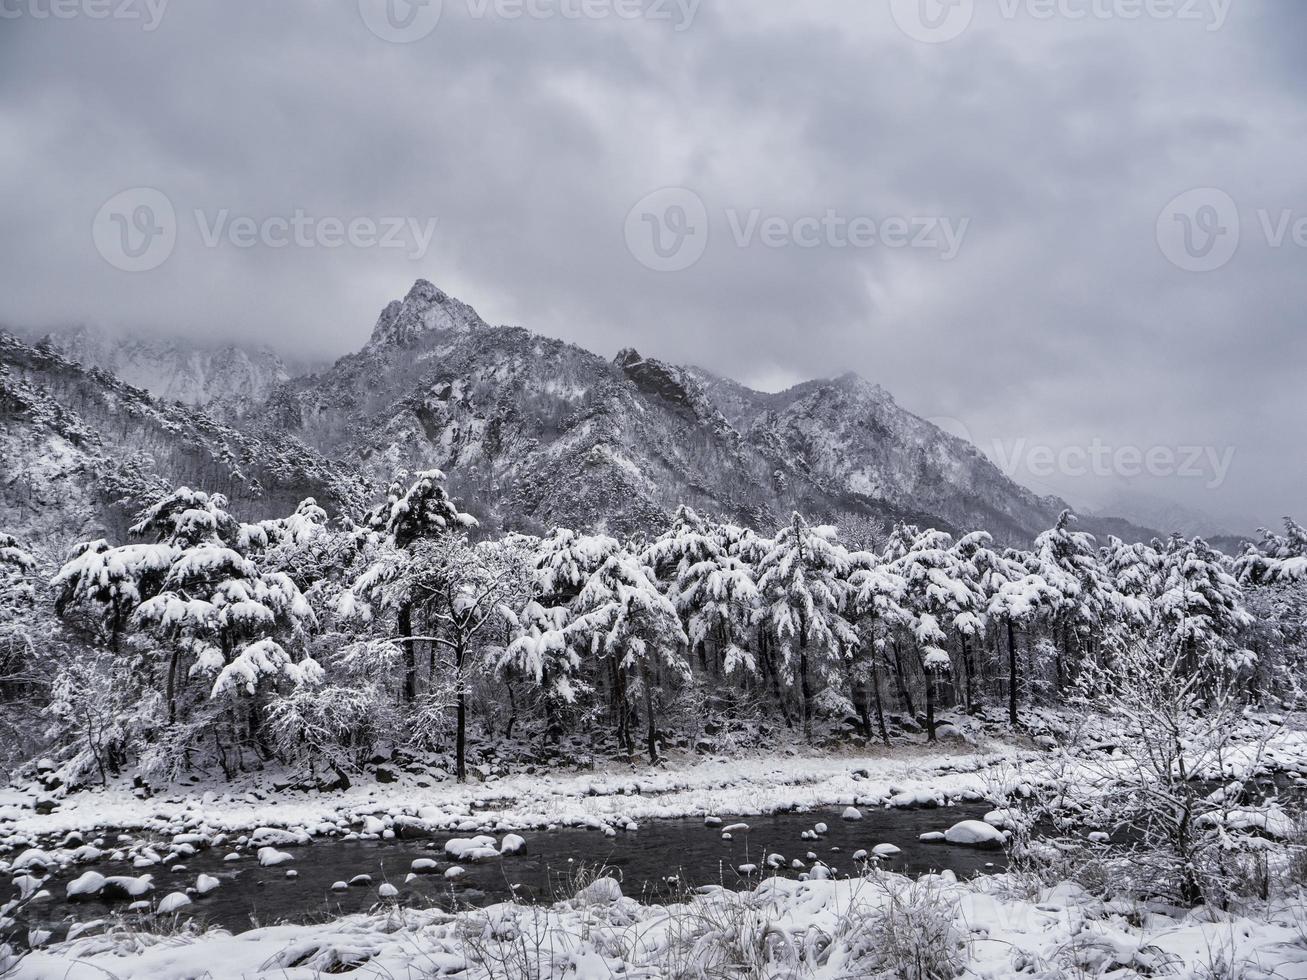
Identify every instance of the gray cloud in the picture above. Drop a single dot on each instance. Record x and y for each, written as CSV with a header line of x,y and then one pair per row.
x,y
1059,322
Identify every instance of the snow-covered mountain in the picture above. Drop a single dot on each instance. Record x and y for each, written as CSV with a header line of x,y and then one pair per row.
x,y
83,451
226,379
534,431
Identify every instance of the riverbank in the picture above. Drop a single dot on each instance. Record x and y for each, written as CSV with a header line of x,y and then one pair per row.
x,y
996,926
881,924
606,799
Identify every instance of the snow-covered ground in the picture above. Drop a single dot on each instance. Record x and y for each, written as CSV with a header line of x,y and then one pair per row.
x,y
863,927
995,926
604,799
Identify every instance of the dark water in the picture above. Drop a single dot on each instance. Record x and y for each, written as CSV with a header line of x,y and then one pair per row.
x,y
643,860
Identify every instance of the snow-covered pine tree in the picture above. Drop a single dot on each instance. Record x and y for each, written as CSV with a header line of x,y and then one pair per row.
x,y
978,568
1018,599
802,582
1200,607
627,622
539,646
1067,561
232,616
421,511
717,598
712,590
459,588
105,584
23,632
1134,572
937,594
193,593
875,604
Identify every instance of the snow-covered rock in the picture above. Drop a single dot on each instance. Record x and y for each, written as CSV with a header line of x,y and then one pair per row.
x,y
88,883
474,849
277,837
126,884
974,833
851,813
512,844
34,857
601,891
270,857
174,902
205,884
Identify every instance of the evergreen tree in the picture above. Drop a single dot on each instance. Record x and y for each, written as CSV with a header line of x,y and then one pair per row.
x,y
629,623
802,582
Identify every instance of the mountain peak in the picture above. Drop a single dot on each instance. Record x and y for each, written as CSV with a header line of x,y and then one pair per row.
x,y
426,309
627,357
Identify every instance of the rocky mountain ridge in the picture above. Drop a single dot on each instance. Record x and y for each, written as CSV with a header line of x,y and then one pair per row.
x,y
83,451
533,432
544,432
226,380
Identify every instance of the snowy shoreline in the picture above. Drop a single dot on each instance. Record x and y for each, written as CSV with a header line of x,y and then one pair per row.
x,y
989,927
602,800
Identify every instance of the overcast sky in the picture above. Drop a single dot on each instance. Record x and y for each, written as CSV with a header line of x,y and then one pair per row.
x,y
971,207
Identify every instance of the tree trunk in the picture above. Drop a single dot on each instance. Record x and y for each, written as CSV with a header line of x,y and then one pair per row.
x,y
405,618
880,709
769,668
172,686
904,697
1012,675
930,702
512,707
858,695
807,691
460,739
551,721
623,710
969,673
649,712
